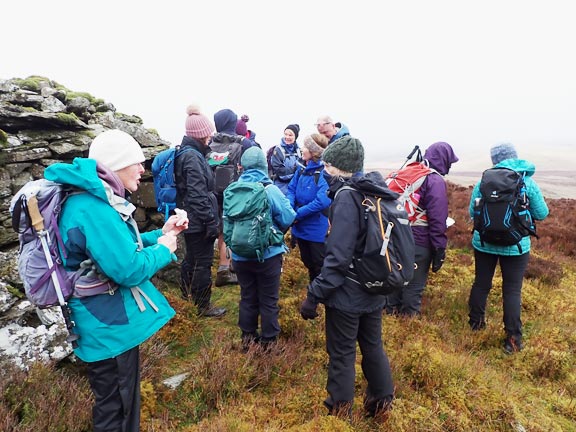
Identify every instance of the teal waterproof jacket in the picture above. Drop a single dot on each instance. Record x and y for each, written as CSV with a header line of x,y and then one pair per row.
x,y
538,208
282,213
97,225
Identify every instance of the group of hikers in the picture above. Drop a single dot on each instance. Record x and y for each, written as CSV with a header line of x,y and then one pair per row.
x,y
304,185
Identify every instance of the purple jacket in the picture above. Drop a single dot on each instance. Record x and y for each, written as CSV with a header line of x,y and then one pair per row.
x,y
434,197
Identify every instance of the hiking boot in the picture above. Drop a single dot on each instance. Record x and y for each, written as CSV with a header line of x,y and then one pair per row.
x,y
268,344
249,340
211,311
477,325
513,344
225,277
377,407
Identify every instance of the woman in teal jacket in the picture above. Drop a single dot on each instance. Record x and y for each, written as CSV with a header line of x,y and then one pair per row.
x,y
98,231
513,259
260,280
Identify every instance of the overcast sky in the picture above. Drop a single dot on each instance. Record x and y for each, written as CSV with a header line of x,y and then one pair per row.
x,y
397,73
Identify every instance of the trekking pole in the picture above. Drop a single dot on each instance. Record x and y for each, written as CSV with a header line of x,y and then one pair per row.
x,y
38,224
414,150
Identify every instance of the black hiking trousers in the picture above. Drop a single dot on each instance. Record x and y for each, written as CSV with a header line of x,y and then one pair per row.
x,y
513,268
259,296
312,256
196,270
115,383
343,330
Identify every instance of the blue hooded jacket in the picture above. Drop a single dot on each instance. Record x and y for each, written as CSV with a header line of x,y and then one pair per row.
x,y
341,132
538,208
307,193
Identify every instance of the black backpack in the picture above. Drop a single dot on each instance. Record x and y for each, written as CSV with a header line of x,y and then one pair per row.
x,y
224,158
502,216
387,261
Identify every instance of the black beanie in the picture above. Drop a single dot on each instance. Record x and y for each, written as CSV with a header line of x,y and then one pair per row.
x,y
294,128
346,154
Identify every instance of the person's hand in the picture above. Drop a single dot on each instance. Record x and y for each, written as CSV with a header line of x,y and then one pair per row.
x,y
212,231
176,223
308,309
438,257
170,241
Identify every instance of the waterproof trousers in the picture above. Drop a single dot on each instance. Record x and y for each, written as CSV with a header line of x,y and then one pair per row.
x,y
408,300
196,270
259,295
312,256
512,268
115,383
343,329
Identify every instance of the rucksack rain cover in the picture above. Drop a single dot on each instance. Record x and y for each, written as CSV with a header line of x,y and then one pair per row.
x,y
248,226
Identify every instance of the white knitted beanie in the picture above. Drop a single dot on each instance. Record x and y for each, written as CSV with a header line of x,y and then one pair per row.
x,y
116,150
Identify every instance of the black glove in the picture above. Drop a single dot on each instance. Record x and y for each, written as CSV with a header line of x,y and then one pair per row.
x,y
308,309
438,257
212,231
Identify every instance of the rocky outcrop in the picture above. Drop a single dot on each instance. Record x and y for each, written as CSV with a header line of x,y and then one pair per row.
x,y
42,122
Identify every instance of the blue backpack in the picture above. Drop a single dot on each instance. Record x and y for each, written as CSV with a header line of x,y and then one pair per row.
x,y
164,180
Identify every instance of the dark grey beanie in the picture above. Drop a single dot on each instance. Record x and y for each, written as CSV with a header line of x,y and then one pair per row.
x,y
346,154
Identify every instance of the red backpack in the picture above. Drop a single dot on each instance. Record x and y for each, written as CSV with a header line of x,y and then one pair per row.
x,y
407,182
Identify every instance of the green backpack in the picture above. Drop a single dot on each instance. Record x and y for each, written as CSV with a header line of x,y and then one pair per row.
x,y
248,226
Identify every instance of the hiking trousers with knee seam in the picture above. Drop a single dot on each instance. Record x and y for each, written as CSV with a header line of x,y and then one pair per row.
x,y
115,383
259,296
513,268
408,300
343,330
196,270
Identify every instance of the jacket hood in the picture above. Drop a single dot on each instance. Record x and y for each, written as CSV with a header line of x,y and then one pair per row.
x,y
519,165
373,183
194,143
254,158
225,121
254,175
81,173
440,156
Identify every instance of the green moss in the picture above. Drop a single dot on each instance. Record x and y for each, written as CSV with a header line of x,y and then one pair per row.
x,y
67,118
15,291
31,83
71,95
3,138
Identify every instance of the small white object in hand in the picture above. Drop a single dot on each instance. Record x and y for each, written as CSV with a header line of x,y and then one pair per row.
x,y
182,216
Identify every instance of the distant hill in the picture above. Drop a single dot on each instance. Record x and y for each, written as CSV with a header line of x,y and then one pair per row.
x,y
554,184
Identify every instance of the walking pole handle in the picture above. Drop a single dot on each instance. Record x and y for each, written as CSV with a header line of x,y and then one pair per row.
x,y
414,150
35,216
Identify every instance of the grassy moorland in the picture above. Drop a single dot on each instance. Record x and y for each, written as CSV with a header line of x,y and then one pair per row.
x,y
447,378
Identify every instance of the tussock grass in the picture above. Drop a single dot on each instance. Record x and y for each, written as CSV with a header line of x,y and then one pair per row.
x,y
447,377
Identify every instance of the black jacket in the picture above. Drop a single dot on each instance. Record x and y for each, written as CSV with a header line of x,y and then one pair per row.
x,y
335,286
195,187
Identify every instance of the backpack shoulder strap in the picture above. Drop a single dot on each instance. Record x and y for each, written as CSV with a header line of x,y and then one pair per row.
x,y
345,187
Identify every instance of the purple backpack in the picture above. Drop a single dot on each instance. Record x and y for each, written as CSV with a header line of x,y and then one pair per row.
x,y
39,262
